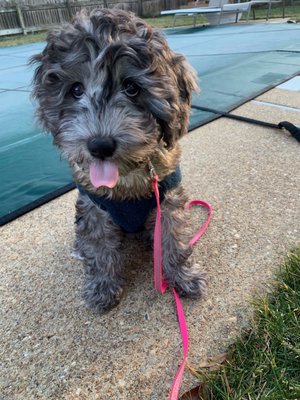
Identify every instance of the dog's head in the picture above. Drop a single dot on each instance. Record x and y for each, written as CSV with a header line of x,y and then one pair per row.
x,y
109,89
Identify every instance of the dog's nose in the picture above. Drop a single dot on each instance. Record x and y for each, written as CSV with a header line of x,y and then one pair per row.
x,y
101,147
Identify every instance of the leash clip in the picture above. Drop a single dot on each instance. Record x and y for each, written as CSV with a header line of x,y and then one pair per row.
x,y
153,174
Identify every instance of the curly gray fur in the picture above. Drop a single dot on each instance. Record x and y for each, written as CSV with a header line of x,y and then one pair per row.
x,y
103,53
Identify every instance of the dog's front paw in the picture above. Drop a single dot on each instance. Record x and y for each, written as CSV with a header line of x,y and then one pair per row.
x,y
101,296
190,282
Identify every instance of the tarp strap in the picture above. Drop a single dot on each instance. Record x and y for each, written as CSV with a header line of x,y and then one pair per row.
x,y
294,130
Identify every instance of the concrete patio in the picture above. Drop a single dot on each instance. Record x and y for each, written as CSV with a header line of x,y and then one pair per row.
x,y
52,347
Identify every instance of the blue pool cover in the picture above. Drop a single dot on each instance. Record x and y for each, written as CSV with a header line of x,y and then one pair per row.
x,y
235,63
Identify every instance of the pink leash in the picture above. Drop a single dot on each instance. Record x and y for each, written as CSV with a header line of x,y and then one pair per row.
x,y
161,285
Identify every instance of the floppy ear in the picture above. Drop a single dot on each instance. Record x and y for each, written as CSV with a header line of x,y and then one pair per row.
x,y
169,96
185,82
41,81
49,76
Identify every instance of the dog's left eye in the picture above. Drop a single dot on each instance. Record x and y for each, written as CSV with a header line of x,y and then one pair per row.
x,y
77,90
130,88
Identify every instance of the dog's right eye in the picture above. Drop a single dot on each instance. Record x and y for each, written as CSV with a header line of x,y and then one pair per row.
x,y
77,90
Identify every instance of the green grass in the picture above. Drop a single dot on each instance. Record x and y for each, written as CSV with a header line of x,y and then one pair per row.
x,y
265,362
15,40
292,12
166,21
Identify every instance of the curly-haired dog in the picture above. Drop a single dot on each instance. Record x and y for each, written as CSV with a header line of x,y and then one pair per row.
x,y
116,97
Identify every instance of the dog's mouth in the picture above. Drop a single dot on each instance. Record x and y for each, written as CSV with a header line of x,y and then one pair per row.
x,y
103,173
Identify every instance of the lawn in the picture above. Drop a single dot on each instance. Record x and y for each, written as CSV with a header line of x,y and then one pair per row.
x,y
265,362
292,12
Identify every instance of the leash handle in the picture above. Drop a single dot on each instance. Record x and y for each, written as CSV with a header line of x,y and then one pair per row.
x,y
160,284
203,228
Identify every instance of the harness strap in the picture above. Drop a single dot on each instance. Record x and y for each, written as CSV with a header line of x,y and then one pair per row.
x,y
131,214
161,285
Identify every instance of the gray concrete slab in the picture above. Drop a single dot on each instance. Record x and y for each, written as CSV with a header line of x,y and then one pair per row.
x,y
281,97
52,347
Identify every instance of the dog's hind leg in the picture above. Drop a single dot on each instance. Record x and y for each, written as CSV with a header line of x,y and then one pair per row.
x,y
98,242
178,269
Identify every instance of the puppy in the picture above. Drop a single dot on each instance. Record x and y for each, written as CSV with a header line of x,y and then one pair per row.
x,y
117,99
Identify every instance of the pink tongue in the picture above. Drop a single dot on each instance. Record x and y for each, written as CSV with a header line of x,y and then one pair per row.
x,y
104,173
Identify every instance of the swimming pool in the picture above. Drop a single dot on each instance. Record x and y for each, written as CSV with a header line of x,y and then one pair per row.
x,y
234,63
